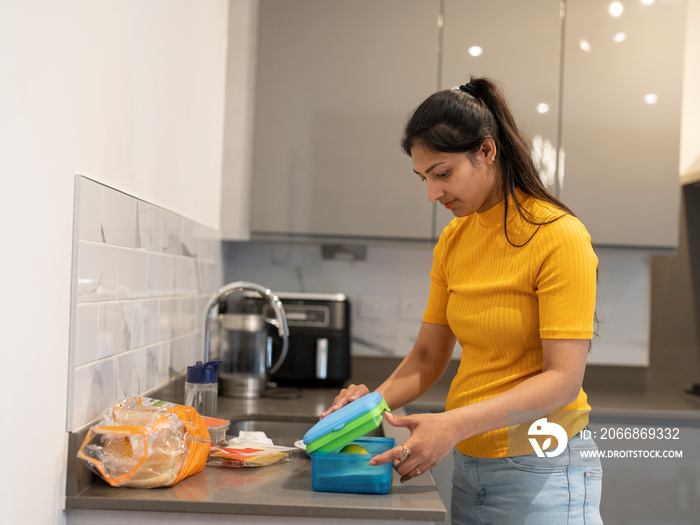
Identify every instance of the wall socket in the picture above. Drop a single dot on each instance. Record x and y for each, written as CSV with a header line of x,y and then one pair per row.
x,y
411,308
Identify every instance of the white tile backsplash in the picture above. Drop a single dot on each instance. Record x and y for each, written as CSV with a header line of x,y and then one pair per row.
x,y
144,276
114,328
377,286
86,333
160,275
119,219
98,272
149,229
133,281
91,211
171,234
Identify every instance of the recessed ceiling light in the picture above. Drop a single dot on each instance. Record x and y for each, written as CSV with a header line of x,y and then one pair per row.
x,y
647,2
475,51
615,9
542,107
584,45
620,37
651,98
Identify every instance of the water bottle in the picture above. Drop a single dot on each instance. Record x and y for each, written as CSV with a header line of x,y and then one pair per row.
x,y
201,387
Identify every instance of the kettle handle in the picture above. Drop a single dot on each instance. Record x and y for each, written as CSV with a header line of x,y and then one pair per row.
x,y
270,297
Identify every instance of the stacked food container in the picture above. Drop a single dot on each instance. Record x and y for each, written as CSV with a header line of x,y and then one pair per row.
x,y
334,470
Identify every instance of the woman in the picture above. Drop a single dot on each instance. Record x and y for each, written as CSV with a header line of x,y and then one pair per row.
x,y
513,281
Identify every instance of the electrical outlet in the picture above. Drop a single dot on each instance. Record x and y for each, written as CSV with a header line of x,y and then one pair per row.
x,y
411,309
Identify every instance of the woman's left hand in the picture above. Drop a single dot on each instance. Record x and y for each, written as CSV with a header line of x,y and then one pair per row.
x,y
432,438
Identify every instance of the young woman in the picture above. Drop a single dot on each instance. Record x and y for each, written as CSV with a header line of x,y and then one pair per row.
x,y
514,282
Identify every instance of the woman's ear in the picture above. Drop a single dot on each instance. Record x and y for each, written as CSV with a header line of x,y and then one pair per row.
x,y
488,150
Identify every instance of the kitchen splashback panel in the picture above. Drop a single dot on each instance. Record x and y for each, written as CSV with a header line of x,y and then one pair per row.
x,y
142,278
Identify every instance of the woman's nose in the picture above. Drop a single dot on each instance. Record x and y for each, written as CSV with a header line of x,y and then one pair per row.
x,y
434,191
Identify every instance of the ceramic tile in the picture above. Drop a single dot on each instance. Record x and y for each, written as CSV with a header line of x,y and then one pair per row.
x,y
145,323
114,328
184,317
97,272
160,275
148,226
208,276
119,218
90,210
93,391
130,374
184,351
190,247
167,311
185,276
171,240
133,274
85,340
157,365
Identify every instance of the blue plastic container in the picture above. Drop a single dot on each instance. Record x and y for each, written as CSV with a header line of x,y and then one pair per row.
x,y
335,471
352,473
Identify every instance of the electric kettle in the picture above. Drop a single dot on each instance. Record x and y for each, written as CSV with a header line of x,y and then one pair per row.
x,y
245,348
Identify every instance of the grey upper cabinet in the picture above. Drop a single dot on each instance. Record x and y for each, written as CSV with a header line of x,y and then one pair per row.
x,y
336,81
598,95
517,44
621,120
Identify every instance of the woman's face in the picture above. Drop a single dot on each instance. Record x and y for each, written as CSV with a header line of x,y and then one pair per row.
x,y
461,184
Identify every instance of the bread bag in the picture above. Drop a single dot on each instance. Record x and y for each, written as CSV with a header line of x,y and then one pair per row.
x,y
146,443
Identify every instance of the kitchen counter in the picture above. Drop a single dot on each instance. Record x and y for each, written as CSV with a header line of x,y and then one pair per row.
x,y
277,490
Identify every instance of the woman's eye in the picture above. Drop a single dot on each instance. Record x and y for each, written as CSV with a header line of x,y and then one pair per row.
x,y
443,174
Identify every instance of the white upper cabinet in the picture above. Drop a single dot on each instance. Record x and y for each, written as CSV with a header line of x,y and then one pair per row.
x,y
335,83
621,119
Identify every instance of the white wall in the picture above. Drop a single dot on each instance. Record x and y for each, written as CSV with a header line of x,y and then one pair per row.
x,y
131,94
238,129
690,118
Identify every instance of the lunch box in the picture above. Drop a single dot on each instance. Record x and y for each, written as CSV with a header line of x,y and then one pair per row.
x,y
335,471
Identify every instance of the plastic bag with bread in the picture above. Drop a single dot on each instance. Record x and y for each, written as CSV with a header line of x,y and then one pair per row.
x,y
146,443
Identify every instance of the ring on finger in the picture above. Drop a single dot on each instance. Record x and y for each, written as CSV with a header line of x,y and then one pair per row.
x,y
406,451
418,472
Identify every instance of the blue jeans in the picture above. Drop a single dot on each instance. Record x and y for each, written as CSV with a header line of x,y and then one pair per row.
x,y
528,490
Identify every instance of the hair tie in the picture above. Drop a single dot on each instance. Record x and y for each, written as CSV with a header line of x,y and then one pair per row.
x,y
469,88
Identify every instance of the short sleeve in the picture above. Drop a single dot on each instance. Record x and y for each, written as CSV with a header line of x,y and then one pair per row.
x,y
566,280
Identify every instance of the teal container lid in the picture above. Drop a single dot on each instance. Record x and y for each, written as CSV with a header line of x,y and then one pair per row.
x,y
346,424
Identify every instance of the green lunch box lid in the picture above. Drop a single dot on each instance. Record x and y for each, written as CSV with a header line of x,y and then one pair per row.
x,y
346,424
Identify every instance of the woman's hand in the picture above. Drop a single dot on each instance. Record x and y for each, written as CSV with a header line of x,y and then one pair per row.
x,y
346,395
433,436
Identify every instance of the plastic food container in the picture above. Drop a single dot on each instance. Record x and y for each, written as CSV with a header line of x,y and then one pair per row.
x,y
347,472
217,428
335,471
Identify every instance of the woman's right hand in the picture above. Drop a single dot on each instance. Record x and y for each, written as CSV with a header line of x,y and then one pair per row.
x,y
346,395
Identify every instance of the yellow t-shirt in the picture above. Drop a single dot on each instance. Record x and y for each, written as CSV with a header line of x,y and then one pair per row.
x,y
500,301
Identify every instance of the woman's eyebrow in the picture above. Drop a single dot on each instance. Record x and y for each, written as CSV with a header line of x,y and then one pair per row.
x,y
431,167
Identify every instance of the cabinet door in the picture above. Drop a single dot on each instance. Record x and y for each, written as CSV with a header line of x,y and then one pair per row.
x,y
520,46
336,81
621,119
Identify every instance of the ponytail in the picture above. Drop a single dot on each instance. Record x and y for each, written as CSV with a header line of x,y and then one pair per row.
x,y
459,120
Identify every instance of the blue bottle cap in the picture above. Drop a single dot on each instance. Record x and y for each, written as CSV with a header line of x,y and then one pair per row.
x,y
203,372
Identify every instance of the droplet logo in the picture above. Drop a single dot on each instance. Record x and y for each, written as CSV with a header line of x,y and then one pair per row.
x,y
542,427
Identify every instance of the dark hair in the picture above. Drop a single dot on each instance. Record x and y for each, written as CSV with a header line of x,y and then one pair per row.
x,y
459,120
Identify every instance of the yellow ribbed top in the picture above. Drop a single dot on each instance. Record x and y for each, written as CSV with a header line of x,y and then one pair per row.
x,y
500,301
